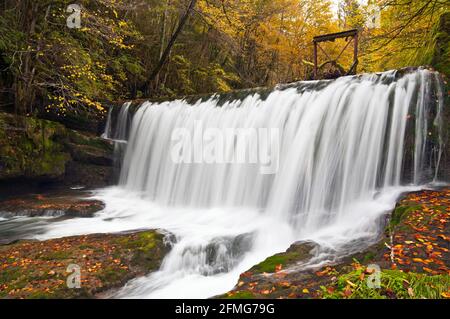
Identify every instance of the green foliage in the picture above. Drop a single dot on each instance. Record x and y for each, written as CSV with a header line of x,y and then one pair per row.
x,y
406,36
71,70
45,67
32,151
394,284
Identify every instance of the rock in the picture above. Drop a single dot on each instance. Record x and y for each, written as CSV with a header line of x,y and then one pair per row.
x,y
105,261
296,253
90,155
413,249
441,54
29,148
72,204
40,151
89,149
86,208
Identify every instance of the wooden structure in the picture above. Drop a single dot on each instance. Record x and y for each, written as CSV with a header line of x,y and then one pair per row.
x,y
349,36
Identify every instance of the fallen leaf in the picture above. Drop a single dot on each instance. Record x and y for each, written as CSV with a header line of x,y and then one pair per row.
x,y
347,291
428,269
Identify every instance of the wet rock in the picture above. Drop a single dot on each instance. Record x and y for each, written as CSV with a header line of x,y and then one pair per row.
x,y
224,253
296,253
67,203
29,148
32,269
40,151
412,254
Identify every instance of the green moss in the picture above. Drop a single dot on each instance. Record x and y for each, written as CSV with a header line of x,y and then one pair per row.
x,y
112,275
241,295
143,247
57,255
400,212
8,275
93,141
297,252
368,257
31,148
144,241
136,254
272,262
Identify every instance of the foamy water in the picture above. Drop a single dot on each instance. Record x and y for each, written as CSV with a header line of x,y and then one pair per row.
x,y
341,170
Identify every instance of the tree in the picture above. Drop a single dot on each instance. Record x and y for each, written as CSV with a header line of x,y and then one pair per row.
x,y
166,52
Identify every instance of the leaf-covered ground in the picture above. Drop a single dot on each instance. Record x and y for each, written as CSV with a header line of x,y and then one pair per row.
x,y
413,256
56,203
32,269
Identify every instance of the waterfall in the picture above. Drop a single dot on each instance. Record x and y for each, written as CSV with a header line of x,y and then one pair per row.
x,y
341,152
118,132
339,144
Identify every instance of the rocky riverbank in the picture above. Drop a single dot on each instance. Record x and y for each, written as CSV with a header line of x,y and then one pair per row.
x,y
30,269
69,203
413,256
46,170
34,152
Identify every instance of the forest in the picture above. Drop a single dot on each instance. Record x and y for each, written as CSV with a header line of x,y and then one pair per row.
x,y
225,149
151,48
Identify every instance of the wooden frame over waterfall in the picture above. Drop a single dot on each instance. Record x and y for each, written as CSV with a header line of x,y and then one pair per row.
x,y
350,36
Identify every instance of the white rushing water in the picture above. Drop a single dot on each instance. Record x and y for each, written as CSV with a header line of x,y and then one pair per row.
x,y
344,157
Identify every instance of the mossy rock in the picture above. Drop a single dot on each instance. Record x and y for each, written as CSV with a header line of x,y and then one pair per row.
x,y
441,56
32,269
30,148
296,253
45,151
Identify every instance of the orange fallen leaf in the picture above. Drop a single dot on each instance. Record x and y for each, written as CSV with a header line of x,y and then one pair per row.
x,y
347,291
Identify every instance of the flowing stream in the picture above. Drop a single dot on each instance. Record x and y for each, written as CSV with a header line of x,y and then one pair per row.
x,y
343,152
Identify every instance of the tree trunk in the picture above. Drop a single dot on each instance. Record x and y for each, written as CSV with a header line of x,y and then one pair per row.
x,y
162,40
168,49
23,84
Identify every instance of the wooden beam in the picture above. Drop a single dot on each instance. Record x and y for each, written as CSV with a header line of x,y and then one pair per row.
x,y
315,61
333,36
355,53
